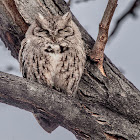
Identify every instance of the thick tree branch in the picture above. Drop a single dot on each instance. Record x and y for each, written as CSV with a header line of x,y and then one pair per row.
x,y
12,26
103,112
104,107
36,98
97,53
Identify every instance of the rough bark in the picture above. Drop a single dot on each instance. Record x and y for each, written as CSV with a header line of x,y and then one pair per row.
x,y
104,107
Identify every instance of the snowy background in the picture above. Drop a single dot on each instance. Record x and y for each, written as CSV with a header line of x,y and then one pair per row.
x,y
123,50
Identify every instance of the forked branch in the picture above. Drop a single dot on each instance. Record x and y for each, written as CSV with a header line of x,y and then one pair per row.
x,y
97,53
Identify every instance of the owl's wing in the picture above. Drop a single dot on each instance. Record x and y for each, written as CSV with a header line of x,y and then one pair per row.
x,y
47,123
21,59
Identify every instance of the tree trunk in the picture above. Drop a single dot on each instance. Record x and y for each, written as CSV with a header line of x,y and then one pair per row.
x,y
104,107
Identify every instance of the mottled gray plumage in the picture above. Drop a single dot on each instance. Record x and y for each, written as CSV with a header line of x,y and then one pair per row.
x,y
53,53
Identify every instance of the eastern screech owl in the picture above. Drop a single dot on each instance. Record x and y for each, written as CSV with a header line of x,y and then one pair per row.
x,y
53,53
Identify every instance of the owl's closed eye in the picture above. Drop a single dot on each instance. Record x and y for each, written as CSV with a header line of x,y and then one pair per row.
x,y
38,31
67,31
55,28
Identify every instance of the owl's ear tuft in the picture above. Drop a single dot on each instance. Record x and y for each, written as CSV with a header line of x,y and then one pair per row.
x,y
67,17
39,19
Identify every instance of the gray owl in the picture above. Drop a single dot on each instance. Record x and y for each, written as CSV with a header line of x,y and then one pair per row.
x,y
53,53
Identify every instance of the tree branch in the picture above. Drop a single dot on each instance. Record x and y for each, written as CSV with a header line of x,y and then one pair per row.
x,y
130,11
12,26
97,53
34,97
103,112
104,107
79,1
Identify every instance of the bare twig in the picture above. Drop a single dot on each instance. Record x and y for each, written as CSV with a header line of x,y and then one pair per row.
x,y
97,53
69,3
79,1
130,11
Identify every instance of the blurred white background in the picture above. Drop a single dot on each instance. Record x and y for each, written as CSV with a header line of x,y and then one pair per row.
x,y
123,50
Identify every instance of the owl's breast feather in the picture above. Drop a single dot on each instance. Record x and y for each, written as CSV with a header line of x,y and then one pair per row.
x,y
54,61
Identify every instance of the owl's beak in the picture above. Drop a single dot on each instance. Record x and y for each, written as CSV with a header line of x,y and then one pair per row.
x,y
53,38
